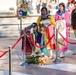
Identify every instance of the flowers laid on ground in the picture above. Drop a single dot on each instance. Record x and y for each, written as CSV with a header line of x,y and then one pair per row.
x,y
36,58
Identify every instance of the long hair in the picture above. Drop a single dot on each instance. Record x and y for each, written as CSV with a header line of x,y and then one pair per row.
x,y
62,5
59,12
43,8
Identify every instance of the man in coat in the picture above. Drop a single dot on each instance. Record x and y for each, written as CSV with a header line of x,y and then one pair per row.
x,y
73,21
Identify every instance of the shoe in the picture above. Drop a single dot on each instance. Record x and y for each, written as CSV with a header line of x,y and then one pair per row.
x,y
74,53
62,56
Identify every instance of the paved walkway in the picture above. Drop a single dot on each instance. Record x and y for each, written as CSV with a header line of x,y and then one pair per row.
x,y
65,67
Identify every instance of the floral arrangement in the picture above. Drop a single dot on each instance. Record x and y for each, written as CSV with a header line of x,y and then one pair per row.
x,y
33,58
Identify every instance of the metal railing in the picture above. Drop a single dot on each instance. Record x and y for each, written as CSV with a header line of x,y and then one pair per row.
x,y
20,24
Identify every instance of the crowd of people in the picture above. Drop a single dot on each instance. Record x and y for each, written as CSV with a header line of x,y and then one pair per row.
x,y
23,7
50,4
46,25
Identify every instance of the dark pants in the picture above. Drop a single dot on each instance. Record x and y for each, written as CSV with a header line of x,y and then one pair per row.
x,y
38,8
24,13
44,4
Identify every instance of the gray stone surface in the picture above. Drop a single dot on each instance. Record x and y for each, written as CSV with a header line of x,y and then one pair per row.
x,y
33,69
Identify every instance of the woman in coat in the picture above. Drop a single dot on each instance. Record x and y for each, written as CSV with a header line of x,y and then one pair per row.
x,y
60,16
45,24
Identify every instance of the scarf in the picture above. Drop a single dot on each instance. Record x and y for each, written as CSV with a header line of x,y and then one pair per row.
x,y
45,16
61,12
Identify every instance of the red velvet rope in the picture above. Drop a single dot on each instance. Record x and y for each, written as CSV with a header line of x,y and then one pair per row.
x,y
4,52
16,42
41,46
66,39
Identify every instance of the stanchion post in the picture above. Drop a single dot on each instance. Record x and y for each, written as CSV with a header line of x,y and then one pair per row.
x,y
24,57
57,60
24,45
10,70
20,23
24,63
56,43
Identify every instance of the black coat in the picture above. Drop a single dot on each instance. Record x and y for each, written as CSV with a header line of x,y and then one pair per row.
x,y
73,18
